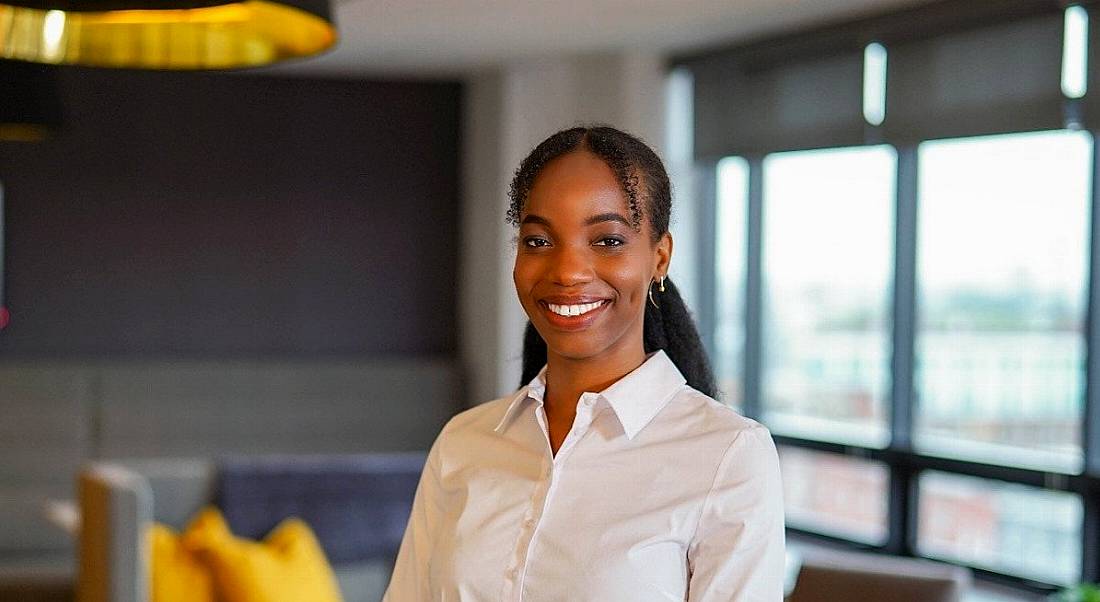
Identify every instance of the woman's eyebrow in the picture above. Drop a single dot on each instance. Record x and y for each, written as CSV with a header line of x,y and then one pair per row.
x,y
535,219
606,217
531,218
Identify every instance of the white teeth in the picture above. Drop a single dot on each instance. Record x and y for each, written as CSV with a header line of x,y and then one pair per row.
x,y
574,310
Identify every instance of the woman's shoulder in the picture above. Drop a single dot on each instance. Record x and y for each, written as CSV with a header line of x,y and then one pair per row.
x,y
469,429
714,417
480,418
718,431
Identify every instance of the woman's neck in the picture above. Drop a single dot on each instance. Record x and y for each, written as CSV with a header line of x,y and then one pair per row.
x,y
568,378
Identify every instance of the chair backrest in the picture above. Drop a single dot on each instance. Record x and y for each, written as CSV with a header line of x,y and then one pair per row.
x,y
828,576
180,486
116,506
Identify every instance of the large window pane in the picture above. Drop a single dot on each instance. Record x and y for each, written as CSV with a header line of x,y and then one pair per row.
x,y
835,494
999,526
729,339
828,257
1002,256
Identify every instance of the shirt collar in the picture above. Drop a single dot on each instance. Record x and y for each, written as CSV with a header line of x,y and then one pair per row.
x,y
534,391
640,395
636,398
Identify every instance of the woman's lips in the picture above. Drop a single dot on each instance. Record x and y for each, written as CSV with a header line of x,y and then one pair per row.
x,y
580,315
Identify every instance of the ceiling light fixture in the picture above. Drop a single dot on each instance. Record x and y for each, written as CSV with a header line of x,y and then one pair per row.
x,y
164,34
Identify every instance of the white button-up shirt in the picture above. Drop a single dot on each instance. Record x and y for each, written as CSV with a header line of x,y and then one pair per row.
x,y
657,493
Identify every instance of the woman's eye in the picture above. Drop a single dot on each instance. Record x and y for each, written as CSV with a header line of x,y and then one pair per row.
x,y
534,241
610,241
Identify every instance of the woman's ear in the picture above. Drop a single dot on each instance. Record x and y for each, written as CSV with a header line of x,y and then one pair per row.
x,y
664,255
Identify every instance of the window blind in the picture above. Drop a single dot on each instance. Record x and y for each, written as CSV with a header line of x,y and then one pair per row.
x,y
745,108
1004,78
954,68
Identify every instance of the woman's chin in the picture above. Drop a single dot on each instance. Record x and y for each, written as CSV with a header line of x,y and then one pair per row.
x,y
576,354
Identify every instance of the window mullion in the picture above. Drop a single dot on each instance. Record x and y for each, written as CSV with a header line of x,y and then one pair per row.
x,y
1091,427
903,482
903,324
706,270
754,290
1090,531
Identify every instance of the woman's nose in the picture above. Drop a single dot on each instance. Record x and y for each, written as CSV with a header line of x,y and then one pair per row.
x,y
571,267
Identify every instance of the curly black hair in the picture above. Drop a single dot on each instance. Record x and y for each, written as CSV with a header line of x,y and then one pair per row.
x,y
639,170
645,184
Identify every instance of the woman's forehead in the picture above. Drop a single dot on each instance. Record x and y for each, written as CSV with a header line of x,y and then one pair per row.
x,y
576,184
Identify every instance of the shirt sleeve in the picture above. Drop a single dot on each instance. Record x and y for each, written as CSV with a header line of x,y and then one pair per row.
x,y
737,554
409,581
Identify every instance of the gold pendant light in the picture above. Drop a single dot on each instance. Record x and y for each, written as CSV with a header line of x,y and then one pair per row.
x,y
164,34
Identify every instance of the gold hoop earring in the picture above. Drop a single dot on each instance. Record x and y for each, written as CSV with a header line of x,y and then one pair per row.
x,y
661,285
651,301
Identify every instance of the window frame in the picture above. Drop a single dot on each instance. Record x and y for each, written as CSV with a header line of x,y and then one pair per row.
x,y
904,463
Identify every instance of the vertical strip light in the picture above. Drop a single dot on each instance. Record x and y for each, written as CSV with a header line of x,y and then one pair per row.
x,y
1075,42
874,83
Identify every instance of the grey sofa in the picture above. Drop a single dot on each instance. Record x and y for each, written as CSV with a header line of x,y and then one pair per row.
x,y
119,501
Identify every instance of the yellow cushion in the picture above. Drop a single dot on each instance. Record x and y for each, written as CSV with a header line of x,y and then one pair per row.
x,y
289,565
177,574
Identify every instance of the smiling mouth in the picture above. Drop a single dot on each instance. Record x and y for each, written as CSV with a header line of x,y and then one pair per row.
x,y
574,310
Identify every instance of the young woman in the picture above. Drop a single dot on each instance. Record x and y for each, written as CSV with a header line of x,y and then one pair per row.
x,y
613,474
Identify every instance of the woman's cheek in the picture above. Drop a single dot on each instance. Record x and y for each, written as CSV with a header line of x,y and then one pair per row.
x,y
523,276
628,280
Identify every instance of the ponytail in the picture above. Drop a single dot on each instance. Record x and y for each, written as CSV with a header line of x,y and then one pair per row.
x,y
534,354
668,326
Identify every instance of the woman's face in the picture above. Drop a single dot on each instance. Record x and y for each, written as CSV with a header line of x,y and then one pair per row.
x,y
582,271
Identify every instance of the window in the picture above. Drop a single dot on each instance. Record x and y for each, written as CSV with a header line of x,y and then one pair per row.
x,y
835,494
729,340
906,303
999,228
1001,526
827,257
1002,258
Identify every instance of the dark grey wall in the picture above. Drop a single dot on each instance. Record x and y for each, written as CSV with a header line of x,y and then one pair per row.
x,y
207,215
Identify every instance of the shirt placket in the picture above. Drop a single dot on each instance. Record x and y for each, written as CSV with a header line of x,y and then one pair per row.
x,y
552,468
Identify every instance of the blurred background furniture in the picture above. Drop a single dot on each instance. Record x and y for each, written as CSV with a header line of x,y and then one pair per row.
x,y
357,505
829,575
60,415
